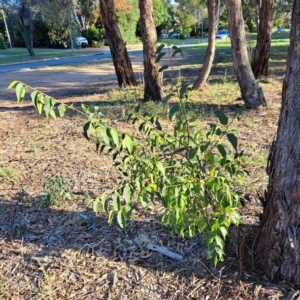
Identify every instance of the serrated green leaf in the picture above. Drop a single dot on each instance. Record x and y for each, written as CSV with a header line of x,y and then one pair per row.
x,y
121,220
96,206
235,217
62,110
233,140
222,117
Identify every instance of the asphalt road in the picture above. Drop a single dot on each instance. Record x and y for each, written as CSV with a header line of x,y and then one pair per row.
x,y
60,61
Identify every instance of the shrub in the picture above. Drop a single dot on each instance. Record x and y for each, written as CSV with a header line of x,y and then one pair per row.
x,y
182,36
2,43
93,36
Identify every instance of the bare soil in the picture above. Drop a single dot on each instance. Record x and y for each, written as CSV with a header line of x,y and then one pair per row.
x,y
65,251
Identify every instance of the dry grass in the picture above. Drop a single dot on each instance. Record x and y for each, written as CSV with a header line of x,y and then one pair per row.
x,y
67,252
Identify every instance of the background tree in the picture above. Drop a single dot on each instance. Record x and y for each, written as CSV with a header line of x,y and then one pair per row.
x,y
278,244
252,94
23,17
152,80
260,61
128,17
213,7
117,47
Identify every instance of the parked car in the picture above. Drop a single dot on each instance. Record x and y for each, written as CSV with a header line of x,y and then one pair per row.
x,y
176,35
164,35
222,35
280,29
81,41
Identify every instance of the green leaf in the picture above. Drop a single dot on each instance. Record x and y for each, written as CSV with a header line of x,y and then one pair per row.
x,y
86,127
12,84
34,98
174,109
20,92
177,50
161,168
144,201
115,136
121,220
233,140
160,56
52,114
165,67
105,203
47,106
128,143
68,196
222,150
116,201
159,48
193,153
219,241
235,218
96,206
224,231
222,117
111,216
62,110
127,193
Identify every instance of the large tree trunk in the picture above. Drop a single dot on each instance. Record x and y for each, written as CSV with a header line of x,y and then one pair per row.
x,y
117,47
260,62
213,7
152,78
252,94
278,244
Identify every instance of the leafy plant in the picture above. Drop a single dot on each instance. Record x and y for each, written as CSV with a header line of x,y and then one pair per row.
x,y
196,175
3,46
56,191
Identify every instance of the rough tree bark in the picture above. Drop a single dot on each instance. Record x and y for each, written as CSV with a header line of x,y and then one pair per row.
x,y
252,94
121,60
152,78
260,62
213,7
278,243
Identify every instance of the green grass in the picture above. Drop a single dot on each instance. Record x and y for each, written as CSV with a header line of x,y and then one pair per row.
x,y
16,56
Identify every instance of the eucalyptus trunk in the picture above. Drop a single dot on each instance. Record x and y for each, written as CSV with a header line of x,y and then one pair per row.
x,y
278,243
213,7
152,78
121,60
260,61
252,94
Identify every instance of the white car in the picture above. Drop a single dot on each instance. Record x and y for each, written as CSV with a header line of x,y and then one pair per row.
x,y
222,35
81,41
164,35
176,35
